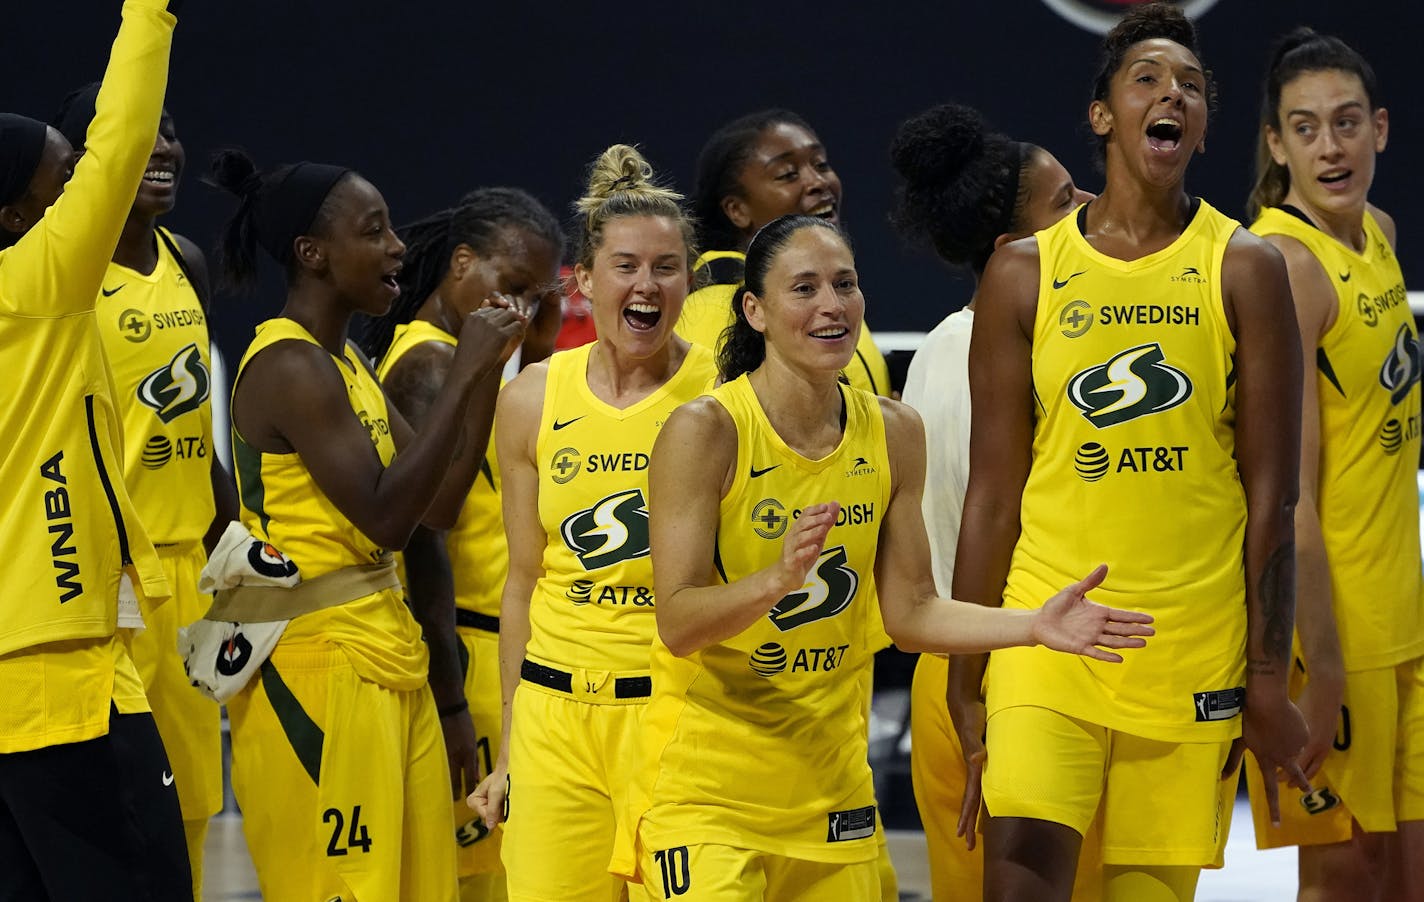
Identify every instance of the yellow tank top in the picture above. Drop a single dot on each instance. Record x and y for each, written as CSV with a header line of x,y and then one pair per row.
x,y
479,556
708,312
593,605
283,504
1367,379
1133,466
760,741
155,336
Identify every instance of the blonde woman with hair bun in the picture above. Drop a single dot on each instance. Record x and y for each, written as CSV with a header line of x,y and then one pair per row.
x,y
574,434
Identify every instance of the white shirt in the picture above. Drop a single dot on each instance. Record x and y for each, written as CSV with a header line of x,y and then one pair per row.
x,y
937,387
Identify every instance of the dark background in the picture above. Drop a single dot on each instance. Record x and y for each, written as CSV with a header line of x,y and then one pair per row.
x,y
429,99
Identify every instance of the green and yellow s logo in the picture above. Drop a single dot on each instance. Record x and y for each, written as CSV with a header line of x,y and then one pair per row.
x,y
829,588
613,530
1134,383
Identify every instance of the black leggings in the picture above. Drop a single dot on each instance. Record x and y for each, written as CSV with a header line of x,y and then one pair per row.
x,y
93,820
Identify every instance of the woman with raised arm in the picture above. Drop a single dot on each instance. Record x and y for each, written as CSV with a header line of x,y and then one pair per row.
x,y
497,246
779,502
338,759
576,622
1360,684
1134,373
80,756
967,190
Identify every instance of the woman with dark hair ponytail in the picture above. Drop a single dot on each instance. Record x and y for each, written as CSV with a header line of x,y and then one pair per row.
x,y
967,191
778,500
338,760
1359,670
498,247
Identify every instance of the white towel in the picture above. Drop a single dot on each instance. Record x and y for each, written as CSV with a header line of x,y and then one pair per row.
x,y
221,657
130,616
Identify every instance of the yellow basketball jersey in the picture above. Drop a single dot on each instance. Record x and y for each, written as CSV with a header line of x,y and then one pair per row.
x,y
1367,378
479,555
708,312
1133,466
155,336
593,605
283,504
760,741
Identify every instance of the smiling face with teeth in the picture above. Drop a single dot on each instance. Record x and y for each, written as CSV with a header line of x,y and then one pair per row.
x,y
787,171
637,283
158,192
811,308
1154,115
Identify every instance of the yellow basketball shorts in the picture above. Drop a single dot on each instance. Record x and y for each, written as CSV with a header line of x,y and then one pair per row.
x,y
477,846
1158,803
717,873
571,769
1374,772
939,774
343,783
188,721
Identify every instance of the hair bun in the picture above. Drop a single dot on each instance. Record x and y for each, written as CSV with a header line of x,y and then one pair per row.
x,y
235,172
1295,38
937,144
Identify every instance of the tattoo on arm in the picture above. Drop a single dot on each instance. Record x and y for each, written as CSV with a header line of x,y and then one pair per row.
x,y
1277,593
413,389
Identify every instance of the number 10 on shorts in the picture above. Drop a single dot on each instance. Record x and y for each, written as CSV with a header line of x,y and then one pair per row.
x,y
673,863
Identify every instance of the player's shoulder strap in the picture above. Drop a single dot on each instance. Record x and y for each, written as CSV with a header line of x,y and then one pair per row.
x,y
199,283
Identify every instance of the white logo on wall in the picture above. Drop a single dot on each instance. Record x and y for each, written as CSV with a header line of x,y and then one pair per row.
x,y
1099,16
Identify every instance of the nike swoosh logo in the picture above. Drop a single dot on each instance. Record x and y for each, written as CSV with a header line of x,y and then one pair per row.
x,y
110,292
1345,277
756,472
558,425
167,779
1057,283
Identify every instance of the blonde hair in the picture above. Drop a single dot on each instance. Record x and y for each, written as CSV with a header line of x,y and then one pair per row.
x,y
621,183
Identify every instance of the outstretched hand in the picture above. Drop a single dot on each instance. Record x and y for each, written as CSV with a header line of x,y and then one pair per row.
x,y
1071,623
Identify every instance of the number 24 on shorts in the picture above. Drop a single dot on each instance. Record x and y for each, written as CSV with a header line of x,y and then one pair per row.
x,y
356,837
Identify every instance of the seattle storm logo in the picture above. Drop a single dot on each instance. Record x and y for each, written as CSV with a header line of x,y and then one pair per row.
x,y
613,530
1134,383
829,588
178,387
1401,368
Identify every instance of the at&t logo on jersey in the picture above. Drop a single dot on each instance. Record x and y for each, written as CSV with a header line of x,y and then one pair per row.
x,y
178,387
1400,370
829,588
1093,461
768,660
613,530
1135,383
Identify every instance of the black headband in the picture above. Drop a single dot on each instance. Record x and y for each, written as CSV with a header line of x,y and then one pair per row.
x,y
1017,151
22,144
288,203
75,114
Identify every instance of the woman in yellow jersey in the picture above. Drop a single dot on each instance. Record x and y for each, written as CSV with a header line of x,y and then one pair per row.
x,y
338,760
498,245
576,624
751,171
1134,373
783,504
967,190
87,804
1357,526
152,313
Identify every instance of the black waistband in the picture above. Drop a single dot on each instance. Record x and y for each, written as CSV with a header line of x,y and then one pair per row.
x,y
476,621
553,678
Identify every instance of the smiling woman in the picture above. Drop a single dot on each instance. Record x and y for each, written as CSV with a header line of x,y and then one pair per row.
x,y
332,475
576,621
1078,417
